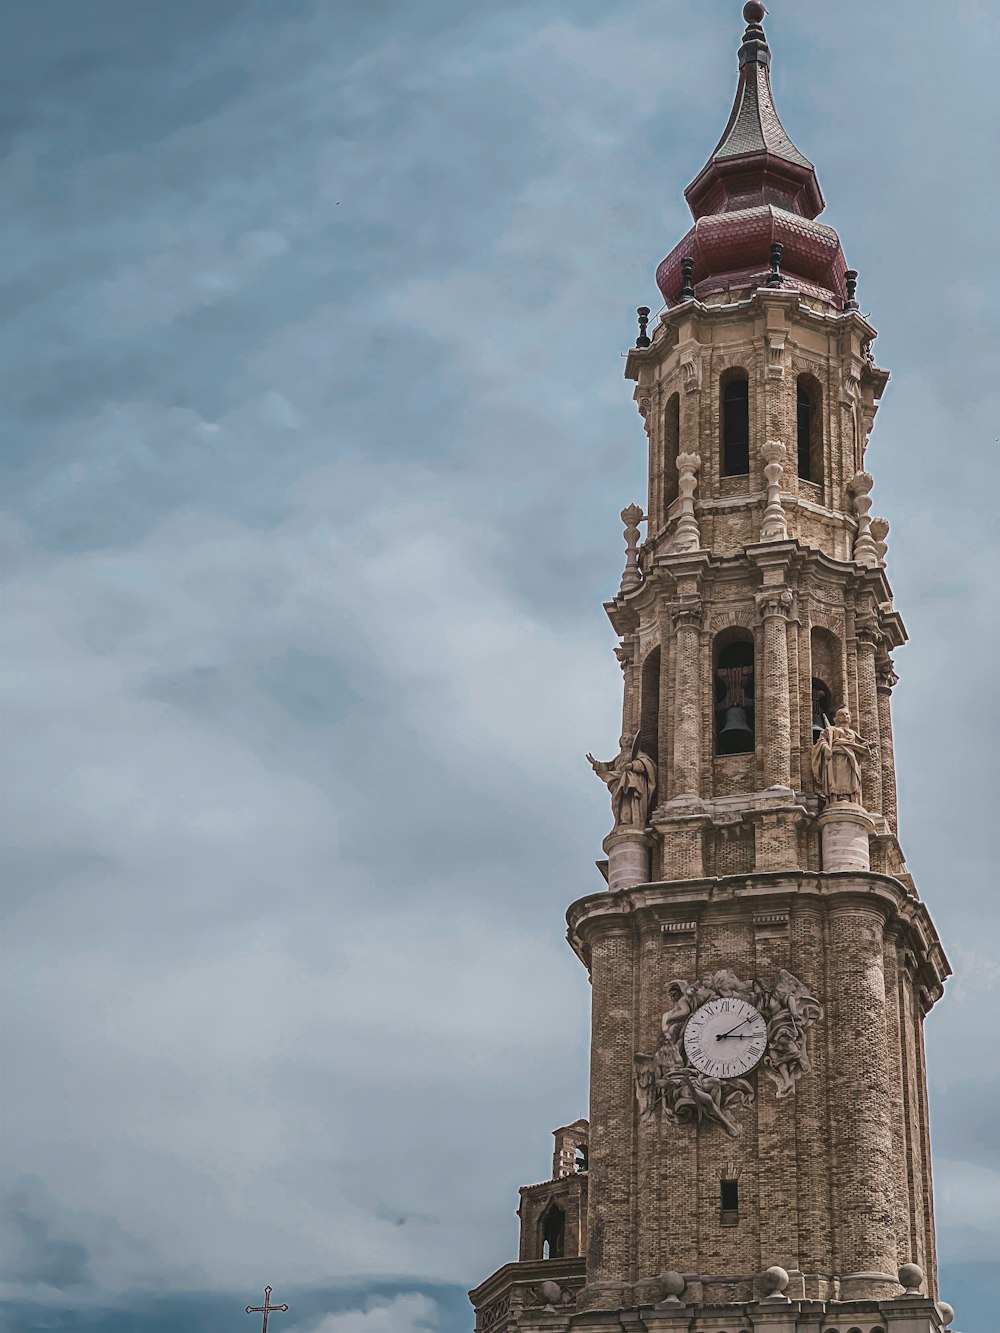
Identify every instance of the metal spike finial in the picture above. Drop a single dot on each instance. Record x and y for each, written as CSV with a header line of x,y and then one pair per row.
x,y
643,339
774,278
687,268
851,281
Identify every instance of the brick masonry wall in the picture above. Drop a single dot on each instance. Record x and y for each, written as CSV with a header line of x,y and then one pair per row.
x,y
819,1172
836,1179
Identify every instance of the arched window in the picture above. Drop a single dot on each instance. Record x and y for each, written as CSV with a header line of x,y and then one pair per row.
x,y
826,685
734,693
581,1157
553,1232
671,447
735,424
809,428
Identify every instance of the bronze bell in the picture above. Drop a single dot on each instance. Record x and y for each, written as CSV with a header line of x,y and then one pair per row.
x,y
736,735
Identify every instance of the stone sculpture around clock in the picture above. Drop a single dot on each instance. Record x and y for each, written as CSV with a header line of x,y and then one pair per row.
x,y
775,1021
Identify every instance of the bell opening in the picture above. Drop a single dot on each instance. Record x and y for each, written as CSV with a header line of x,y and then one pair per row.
x,y
734,699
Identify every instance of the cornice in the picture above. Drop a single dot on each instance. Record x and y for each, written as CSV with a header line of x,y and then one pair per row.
x,y
670,332
528,1270
843,891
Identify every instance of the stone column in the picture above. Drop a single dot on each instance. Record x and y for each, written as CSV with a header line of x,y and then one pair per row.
x,y
861,1097
628,858
885,679
845,830
868,638
687,618
811,1108
773,605
612,1113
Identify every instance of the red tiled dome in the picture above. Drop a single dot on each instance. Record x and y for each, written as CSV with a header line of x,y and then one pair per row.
x,y
755,189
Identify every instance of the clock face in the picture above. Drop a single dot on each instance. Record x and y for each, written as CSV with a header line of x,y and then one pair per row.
x,y
725,1038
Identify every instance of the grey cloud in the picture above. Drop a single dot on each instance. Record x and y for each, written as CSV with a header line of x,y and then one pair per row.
x,y
317,439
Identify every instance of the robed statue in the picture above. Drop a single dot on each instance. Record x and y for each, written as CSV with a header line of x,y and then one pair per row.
x,y
631,779
836,759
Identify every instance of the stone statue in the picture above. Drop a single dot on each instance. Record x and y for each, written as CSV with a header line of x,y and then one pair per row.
x,y
685,1093
836,762
631,779
790,1010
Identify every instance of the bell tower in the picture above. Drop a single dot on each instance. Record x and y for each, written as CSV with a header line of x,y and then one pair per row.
x,y
757,1151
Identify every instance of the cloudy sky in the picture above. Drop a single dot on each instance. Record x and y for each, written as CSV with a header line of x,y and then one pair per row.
x,y
316,437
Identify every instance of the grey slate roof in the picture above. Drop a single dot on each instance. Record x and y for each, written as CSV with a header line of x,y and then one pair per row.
x,y
754,126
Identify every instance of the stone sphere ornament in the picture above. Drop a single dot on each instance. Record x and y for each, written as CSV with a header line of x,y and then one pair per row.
x,y
551,1293
946,1312
778,1279
754,12
911,1277
673,1284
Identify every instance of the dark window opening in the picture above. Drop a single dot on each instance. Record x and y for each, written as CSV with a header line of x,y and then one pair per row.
x,y
553,1232
729,1210
804,413
734,699
649,706
736,428
581,1157
671,448
822,708
809,429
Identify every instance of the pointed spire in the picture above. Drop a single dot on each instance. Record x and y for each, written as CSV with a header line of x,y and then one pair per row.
x,y
755,161
756,197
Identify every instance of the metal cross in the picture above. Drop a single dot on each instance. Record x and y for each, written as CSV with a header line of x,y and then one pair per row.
x,y
265,1309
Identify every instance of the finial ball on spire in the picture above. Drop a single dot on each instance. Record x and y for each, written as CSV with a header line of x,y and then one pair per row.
x,y
753,11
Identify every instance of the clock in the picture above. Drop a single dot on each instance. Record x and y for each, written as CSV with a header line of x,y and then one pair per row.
x,y
725,1038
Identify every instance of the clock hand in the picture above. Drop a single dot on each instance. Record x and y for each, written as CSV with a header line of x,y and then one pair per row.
x,y
737,1036
731,1030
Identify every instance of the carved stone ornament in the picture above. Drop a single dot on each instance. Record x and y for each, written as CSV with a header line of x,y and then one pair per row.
x,y
631,517
775,525
850,383
691,370
885,675
880,531
631,779
867,631
625,652
836,759
496,1314
687,534
865,550
774,602
775,356
550,1296
667,1081
688,614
